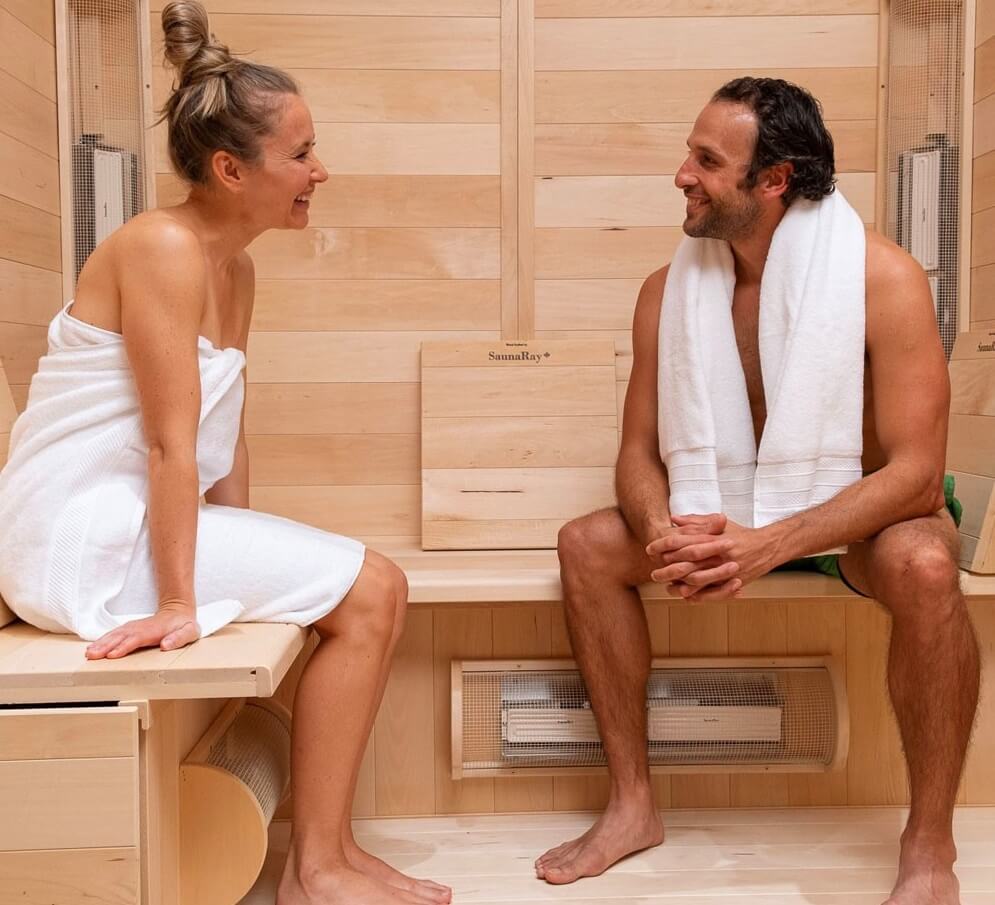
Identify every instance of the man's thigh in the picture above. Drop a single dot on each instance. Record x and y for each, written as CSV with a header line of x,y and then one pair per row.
x,y
866,563
604,540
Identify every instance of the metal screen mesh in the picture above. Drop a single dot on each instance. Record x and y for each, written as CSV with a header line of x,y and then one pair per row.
x,y
696,716
106,119
924,113
256,749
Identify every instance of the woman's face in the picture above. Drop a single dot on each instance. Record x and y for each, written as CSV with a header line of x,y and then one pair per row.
x,y
279,189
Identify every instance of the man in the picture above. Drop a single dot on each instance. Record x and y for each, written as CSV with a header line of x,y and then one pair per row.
x,y
759,145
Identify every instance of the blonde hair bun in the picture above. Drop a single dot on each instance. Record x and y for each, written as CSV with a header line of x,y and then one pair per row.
x,y
189,45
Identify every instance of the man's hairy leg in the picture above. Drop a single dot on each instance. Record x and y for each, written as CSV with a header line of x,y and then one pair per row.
x,y
601,561
933,677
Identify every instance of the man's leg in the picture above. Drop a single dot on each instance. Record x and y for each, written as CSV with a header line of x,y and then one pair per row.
x,y
601,562
933,676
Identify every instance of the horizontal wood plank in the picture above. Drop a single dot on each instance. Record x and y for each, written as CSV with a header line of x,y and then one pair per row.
x,y
514,443
378,253
361,509
984,126
516,493
68,733
983,238
20,348
74,803
517,354
29,176
667,96
321,459
586,201
603,253
110,876
724,8
983,182
706,43
363,42
28,116
586,304
633,149
28,295
982,293
323,357
31,236
377,305
39,17
327,408
970,443
27,55
365,200
494,392
353,7
984,69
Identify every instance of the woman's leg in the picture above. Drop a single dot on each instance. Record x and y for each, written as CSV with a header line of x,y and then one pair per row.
x,y
362,860
334,708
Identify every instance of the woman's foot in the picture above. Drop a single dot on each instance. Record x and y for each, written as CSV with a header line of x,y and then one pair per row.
x,y
373,867
339,886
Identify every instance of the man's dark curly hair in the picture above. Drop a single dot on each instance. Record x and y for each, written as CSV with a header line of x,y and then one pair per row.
x,y
789,130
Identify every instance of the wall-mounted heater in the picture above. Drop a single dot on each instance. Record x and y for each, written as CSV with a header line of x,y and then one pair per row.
x,y
739,714
919,205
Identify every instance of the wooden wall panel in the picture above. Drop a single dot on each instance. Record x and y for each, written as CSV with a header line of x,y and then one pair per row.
x,y
30,224
983,179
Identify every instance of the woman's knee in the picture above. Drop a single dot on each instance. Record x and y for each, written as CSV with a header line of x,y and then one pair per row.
x,y
375,606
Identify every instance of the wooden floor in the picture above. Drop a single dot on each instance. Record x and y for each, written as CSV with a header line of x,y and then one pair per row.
x,y
812,856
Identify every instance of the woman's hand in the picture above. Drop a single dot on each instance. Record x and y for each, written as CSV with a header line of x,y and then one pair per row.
x,y
173,627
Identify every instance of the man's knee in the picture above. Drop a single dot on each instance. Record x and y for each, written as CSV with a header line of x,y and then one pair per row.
x,y
919,578
592,544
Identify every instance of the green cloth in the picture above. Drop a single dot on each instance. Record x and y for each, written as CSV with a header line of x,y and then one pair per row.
x,y
830,563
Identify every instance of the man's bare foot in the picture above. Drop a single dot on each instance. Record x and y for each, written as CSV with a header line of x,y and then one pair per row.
x,y
341,886
620,831
372,866
926,875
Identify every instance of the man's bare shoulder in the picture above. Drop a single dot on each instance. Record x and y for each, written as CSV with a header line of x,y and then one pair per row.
x,y
888,265
653,285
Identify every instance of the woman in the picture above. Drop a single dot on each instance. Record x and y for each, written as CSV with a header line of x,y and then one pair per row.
x,y
136,411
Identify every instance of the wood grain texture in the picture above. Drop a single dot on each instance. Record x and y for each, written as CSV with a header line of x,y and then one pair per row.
x,y
31,236
718,8
27,56
110,876
363,42
706,43
633,149
373,305
667,96
330,408
378,253
351,7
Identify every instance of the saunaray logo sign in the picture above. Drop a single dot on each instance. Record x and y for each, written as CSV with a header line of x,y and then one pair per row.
x,y
535,357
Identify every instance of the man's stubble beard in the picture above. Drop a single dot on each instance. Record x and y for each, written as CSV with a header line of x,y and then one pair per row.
x,y
726,221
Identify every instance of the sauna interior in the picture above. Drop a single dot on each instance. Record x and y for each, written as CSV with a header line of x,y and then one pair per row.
x,y
500,178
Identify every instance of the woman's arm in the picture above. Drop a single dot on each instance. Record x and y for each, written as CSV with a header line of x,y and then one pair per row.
x,y
233,489
162,280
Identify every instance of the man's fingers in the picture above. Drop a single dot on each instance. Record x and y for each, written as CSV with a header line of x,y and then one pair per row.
x,y
674,542
707,547
679,570
724,591
710,523
704,577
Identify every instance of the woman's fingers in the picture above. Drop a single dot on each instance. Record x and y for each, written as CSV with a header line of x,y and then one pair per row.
x,y
167,630
184,635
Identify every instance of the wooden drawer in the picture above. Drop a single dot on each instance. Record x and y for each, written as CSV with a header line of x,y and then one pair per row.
x,y
69,785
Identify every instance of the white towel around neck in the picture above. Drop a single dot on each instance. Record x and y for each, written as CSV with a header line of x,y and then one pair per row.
x,y
812,358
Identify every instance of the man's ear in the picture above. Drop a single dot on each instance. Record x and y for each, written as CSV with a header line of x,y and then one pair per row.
x,y
229,171
775,180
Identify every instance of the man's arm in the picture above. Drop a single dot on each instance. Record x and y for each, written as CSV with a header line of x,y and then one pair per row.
x,y
640,477
910,409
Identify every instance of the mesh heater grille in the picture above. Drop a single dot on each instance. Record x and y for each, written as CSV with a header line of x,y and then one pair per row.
x,y
105,90
923,136
256,749
697,716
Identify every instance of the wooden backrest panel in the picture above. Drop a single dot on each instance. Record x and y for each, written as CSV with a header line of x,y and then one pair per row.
x,y
7,415
517,439
971,445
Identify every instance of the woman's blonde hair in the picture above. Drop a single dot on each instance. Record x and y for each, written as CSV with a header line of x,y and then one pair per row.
x,y
220,102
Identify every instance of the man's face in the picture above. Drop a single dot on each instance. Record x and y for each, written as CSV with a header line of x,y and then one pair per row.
x,y
713,177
